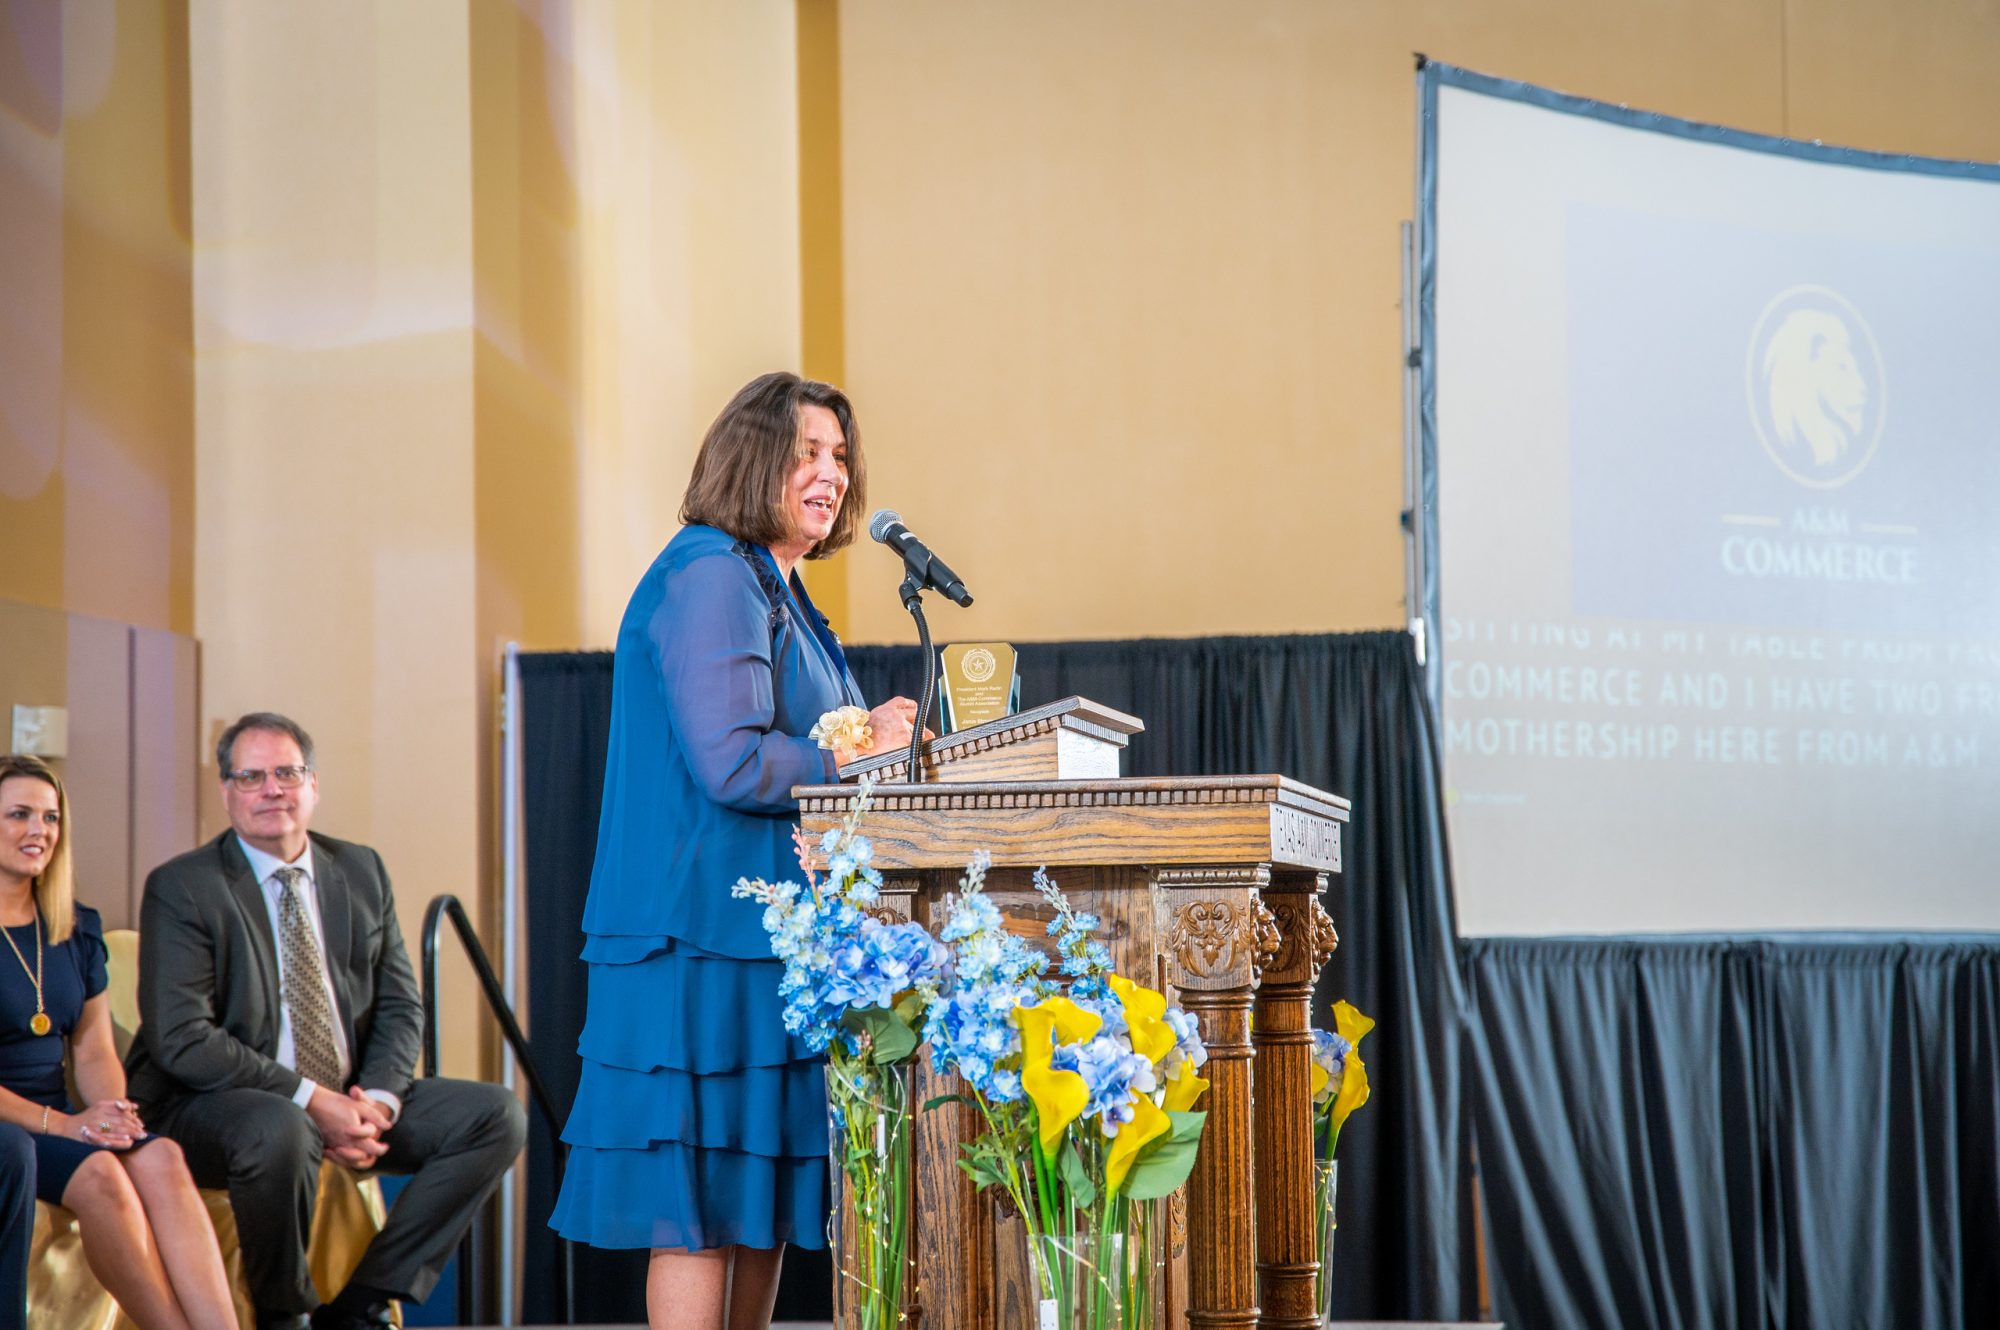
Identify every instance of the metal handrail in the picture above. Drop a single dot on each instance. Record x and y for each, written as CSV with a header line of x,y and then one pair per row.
x,y
470,1250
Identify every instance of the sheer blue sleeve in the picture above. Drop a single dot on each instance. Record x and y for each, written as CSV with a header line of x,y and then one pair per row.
x,y
712,638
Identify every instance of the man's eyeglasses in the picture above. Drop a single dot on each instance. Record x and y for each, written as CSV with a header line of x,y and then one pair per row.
x,y
251,781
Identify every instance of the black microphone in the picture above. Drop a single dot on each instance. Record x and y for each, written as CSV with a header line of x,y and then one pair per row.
x,y
887,526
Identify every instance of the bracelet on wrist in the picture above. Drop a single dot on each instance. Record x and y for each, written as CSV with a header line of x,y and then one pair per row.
x,y
45,1119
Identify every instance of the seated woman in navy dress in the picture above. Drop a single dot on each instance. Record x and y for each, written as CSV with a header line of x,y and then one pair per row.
x,y
699,1127
145,1230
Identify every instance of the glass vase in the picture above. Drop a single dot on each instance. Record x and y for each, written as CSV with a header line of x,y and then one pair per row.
x,y
1145,1267
1326,1177
1094,1279
869,1112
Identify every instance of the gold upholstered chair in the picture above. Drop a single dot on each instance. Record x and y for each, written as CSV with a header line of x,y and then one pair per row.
x,y
62,1293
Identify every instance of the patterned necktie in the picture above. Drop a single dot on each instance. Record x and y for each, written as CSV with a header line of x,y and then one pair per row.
x,y
313,1046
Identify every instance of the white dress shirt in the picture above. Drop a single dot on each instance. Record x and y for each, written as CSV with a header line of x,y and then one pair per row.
x,y
266,867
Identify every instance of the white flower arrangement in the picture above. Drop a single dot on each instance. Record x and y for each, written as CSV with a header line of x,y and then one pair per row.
x,y
843,727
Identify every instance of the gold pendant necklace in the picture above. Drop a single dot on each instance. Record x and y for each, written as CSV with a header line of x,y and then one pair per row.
x,y
39,1022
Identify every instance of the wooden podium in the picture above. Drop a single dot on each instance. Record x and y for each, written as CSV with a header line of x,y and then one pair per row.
x,y
1209,890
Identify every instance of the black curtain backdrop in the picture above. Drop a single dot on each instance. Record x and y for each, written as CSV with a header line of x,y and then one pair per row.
x,y
565,706
1673,1131
1789,1131
1345,713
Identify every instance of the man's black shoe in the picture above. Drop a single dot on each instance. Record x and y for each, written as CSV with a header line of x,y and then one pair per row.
x,y
333,1316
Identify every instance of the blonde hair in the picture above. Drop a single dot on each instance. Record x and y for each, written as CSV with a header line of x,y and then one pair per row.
x,y
54,887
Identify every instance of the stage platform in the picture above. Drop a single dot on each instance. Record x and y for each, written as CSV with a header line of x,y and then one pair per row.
x,y
1337,1325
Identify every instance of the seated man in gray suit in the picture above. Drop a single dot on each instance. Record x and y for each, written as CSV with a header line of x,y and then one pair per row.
x,y
280,1023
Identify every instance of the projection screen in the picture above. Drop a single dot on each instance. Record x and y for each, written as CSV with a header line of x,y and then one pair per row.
x,y
1710,538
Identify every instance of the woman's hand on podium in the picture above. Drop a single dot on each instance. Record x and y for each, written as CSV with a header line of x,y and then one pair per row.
x,y
889,728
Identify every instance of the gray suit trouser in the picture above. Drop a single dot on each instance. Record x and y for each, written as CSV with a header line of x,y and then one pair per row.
x,y
454,1139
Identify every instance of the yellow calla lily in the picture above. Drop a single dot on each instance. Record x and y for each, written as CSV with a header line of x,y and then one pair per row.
x,y
1183,1089
1145,1012
1058,1096
1147,1125
1353,1090
1073,1024
1351,1025
1320,1078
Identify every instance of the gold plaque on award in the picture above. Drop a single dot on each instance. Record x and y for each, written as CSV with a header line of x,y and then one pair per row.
x,y
979,683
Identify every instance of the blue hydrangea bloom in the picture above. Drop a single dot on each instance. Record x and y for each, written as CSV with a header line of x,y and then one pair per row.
x,y
1086,961
837,957
1330,1055
971,1029
1112,1073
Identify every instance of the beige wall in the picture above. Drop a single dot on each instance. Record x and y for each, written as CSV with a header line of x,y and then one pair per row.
x,y
636,211
333,445
96,419
1121,279
96,385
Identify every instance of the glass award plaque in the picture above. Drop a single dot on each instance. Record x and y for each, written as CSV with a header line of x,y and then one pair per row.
x,y
979,683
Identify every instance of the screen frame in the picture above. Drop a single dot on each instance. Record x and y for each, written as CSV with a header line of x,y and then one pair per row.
x,y
1433,75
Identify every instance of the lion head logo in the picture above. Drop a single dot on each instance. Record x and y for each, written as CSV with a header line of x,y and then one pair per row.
x,y
1817,393
1811,362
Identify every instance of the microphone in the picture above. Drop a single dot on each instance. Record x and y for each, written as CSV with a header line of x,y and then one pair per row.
x,y
887,526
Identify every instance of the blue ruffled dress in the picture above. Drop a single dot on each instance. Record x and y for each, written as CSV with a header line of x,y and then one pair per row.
x,y
699,1122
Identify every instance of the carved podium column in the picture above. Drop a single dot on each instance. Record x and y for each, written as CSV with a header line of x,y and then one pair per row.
x,y
1287,1265
1218,936
1181,871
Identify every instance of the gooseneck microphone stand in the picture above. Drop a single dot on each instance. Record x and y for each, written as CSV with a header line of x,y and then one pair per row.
x,y
913,601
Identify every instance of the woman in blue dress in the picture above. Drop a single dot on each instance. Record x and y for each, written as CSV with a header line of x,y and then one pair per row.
x,y
699,1127
145,1230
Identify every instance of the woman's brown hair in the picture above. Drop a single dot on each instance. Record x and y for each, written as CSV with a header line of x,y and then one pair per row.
x,y
749,453
54,887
